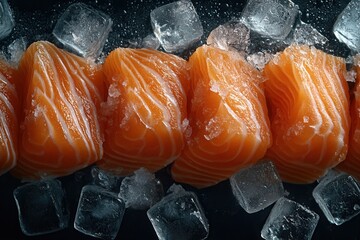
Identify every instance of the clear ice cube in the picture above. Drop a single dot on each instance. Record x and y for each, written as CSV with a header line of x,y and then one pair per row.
x,y
176,25
347,26
105,179
179,215
83,30
142,190
257,186
16,49
7,22
233,35
42,207
271,18
306,34
338,196
99,213
289,220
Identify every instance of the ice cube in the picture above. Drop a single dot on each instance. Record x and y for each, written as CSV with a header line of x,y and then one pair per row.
x,y
233,35
7,22
99,213
289,220
257,187
338,197
306,34
83,30
41,206
179,215
347,26
142,190
151,41
271,18
176,25
105,179
16,49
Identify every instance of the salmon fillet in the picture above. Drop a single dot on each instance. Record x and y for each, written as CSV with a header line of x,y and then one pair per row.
x,y
145,110
308,99
9,113
60,130
228,122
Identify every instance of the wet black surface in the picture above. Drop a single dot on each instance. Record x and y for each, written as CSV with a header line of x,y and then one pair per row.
x,y
35,20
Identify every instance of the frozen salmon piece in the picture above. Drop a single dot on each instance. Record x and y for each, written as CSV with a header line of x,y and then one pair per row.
x,y
228,120
60,130
308,99
145,110
9,113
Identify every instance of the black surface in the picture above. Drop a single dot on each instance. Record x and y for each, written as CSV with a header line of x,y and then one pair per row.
x,y
35,20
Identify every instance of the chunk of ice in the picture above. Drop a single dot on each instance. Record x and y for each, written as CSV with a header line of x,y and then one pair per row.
x,y
142,190
271,18
347,26
106,179
289,220
338,197
259,59
7,22
41,206
16,49
306,34
83,30
179,215
257,187
233,35
99,213
151,41
176,25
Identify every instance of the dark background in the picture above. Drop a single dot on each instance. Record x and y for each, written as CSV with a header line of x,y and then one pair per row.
x,y
35,20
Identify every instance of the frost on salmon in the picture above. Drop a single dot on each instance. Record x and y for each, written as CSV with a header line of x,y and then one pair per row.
x,y
352,161
60,131
308,103
228,122
145,110
9,113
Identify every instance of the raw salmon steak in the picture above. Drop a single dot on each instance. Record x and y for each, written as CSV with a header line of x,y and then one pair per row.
x,y
60,131
308,100
145,109
352,161
9,113
228,121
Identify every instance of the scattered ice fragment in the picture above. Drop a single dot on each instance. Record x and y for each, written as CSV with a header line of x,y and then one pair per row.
x,y
338,197
106,179
41,206
289,220
257,186
306,34
350,76
99,213
231,36
259,59
175,188
347,26
83,29
179,215
271,18
176,25
141,190
16,49
151,41
7,22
